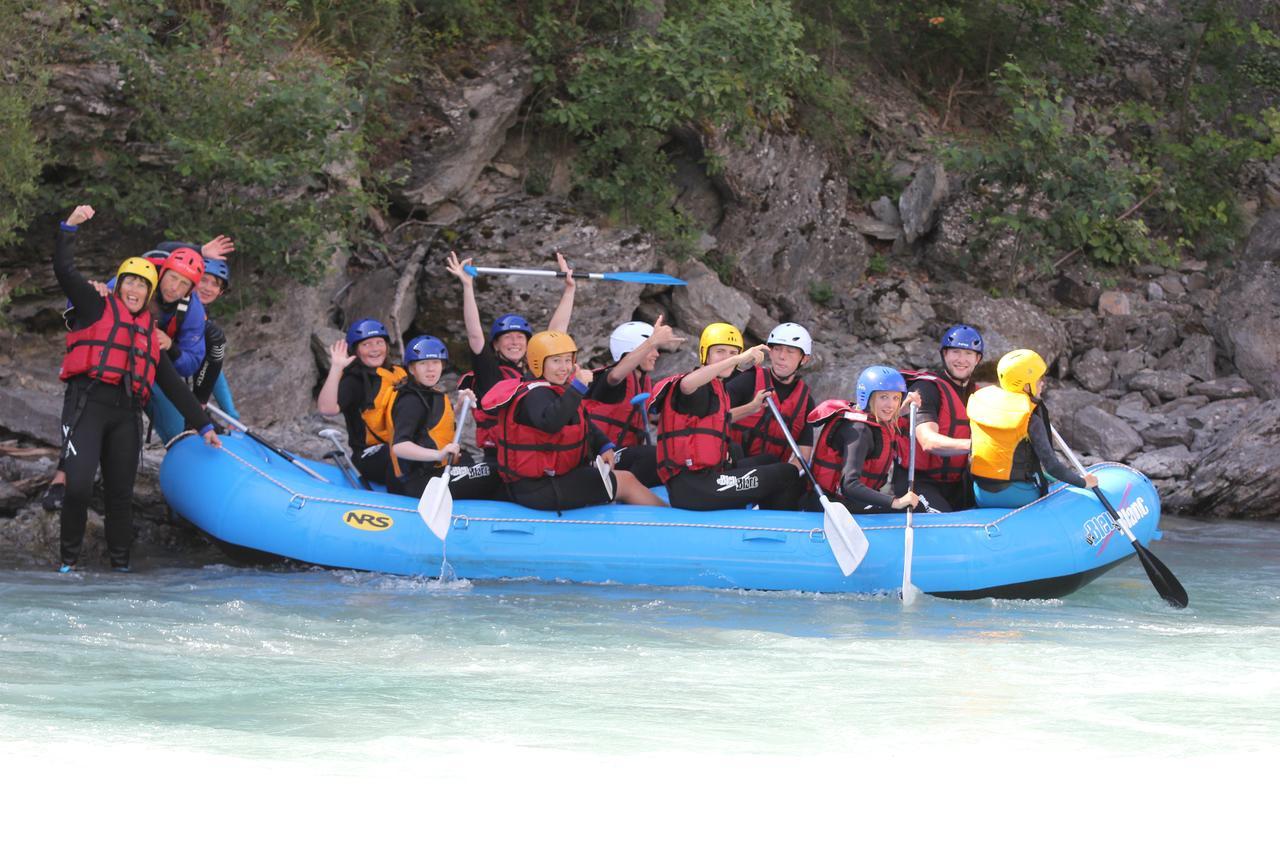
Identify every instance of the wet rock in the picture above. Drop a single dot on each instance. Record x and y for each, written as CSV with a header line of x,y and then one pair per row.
x,y
786,223
458,127
1093,370
706,300
1166,384
919,202
1167,433
1115,303
1248,323
1223,388
1165,463
1240,476
1099,433
1195,356
32,409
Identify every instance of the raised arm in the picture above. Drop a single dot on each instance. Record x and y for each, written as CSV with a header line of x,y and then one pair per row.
x,y
339,359
77,288
560,319
470,311
662,335
707,372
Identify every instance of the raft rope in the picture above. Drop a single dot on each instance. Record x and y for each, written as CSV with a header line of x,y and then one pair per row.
x,y
299,498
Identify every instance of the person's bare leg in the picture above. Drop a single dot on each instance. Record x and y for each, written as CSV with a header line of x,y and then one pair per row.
x,y
632,491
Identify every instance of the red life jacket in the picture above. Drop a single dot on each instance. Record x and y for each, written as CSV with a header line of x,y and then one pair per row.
x,y
115,346
828,462
690,442
486,422
760,434
622,422
528,453
953,421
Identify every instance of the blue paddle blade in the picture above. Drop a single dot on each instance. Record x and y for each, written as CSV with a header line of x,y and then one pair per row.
x,y
644,278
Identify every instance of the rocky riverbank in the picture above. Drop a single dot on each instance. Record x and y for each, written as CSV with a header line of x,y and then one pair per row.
x,y
1174,370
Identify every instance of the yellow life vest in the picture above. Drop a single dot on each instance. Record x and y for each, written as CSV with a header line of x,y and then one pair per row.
x,y
441,433
998,421
377,418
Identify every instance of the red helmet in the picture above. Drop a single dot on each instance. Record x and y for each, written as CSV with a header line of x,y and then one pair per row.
x,y
186,263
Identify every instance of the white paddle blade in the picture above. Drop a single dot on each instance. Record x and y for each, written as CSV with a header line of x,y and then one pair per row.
x,y
847,541
909,591
606,475
436,506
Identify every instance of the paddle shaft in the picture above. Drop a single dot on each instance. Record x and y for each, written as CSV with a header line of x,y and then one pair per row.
x,y
632,277
282,453
344,461
463,412
795,448
908,536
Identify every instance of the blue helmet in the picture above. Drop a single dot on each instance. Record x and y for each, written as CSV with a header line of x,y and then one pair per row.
x,y
877,377
362,330
961,336
424,347
218,267
509,323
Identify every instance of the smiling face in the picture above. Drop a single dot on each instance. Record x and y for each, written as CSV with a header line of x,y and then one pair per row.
x,y
559,369
960,363
717,353
133,291
372,352
650,360
426,372
173,286
785,360
209,288
884,405
511,346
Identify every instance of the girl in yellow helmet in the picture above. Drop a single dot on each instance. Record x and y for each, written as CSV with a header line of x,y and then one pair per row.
x,y
1012,451
546,445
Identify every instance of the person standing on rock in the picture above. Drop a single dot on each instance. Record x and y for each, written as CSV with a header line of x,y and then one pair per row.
x,y
114,356
857,444
361,386
635,347
1012,454
694,433
942,424
545,442
755,430
502,354
424,445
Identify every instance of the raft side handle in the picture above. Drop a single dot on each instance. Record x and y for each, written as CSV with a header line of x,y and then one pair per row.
x,y
461,522
755,536
508,527
992,530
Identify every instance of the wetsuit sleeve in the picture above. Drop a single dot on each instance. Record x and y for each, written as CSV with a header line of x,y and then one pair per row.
x,y
602,391
215,350
543,409
858,443
930,401
179,394
350,401
408,416
1043,447
597,440
88,304
188,348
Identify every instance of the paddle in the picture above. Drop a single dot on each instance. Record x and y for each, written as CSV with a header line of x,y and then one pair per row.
x,y
339,454
279,451
435,507
847,541
1161,578
641,402
632,277
909,592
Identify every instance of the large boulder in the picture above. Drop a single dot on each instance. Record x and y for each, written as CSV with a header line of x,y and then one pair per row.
x,y
1093,369
786,223
706,300
1248,323
1240,476
919,202
32,408
1006,324
1098,433
1194,356
1165,463
457,126
528,234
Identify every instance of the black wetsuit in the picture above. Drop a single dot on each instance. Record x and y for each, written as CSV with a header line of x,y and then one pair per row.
x,y
102,426
356,391
415,412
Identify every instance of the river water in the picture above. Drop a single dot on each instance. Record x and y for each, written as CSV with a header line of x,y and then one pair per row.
x,y
490,708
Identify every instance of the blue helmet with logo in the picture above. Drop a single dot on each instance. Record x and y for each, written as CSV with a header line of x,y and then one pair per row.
x,y
961,336
877,377
509,323
424,347
218,267
362,330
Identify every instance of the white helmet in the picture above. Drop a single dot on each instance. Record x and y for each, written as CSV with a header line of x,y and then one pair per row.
x,y
627,337
793,335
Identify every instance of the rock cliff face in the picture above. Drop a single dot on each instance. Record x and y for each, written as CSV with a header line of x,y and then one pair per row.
x,y
1174,371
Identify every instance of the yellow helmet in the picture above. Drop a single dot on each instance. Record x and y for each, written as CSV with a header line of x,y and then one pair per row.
x,y
544,345
142,268
1020,368
718,333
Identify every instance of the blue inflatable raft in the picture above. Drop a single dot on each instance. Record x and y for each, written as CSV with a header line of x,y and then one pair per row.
x,y
251,500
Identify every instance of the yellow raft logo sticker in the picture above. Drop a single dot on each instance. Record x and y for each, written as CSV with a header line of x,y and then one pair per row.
x,y
363,519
